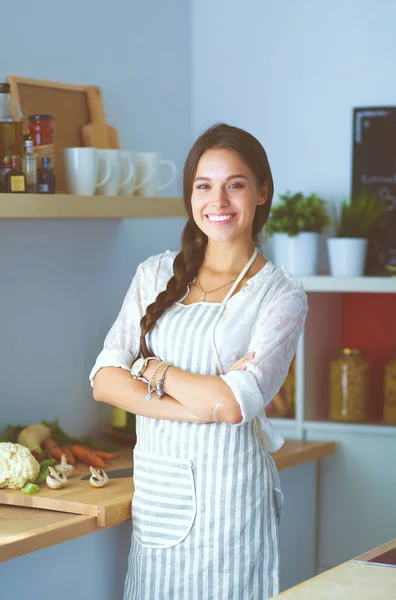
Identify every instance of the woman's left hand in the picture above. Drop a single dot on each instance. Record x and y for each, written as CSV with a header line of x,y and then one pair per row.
x,y
240,365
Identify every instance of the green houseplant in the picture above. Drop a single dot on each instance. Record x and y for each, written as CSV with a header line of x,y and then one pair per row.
x,y
353,224
296,213
295,225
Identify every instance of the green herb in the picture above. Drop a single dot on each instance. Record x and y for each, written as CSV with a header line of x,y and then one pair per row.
x,y
44,470
30,488
297,213
359,216
12,432
62,438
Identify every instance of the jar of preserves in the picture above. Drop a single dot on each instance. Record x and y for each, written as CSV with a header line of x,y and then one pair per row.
x,y
390,392
41,132
349,386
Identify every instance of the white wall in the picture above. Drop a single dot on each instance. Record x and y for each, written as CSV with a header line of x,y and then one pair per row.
x,y
291,72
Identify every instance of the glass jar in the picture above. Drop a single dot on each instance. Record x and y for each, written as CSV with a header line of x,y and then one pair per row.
x,y
41,131
390,393
349,385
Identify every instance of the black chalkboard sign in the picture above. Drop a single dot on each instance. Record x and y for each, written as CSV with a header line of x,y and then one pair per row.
x,y
374,170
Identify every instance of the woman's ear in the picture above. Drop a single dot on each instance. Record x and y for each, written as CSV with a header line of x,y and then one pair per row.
x,y
263,193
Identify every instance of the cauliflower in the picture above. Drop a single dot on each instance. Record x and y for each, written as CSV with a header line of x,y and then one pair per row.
x,y
17,466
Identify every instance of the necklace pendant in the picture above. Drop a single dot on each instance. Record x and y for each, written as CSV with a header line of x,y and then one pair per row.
x,y
203,298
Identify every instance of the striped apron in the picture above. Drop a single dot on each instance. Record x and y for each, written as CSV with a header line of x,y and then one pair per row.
x,y
205,515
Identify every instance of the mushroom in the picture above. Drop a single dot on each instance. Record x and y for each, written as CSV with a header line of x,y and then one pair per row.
x,y
98,477
64,467
55,480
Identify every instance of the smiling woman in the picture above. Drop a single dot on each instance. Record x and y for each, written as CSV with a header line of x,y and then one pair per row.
x,y
202,344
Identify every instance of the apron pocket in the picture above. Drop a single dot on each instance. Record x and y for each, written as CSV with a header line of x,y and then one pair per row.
x,y
164,502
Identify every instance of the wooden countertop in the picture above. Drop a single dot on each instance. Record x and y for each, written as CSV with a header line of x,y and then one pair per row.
x,y
350,581
24,530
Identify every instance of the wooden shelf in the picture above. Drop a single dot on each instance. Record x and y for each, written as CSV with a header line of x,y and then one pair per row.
x,y
326,283
67,206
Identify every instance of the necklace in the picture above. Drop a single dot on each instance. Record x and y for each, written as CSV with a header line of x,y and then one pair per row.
x,y
204,294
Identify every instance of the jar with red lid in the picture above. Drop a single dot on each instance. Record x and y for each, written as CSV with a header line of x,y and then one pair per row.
x,y
41,131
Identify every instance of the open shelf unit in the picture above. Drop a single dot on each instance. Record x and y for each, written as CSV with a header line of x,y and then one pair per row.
x,y
322,336
67,206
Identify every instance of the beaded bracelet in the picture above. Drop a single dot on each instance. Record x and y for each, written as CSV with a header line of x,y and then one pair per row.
x,y
160,385
150,387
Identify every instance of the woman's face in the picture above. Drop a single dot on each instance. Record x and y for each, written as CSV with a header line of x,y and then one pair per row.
x,y
225,196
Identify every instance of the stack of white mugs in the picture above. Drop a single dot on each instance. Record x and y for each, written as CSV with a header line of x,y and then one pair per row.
x,y
90,171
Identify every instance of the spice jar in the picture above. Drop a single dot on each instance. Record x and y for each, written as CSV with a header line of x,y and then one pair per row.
x,y
349,384
390,393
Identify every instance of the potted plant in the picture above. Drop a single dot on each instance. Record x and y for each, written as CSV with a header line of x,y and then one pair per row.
x,y
347,250
295,225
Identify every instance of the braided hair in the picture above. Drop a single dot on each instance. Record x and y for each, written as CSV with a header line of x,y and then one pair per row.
x,y
193,242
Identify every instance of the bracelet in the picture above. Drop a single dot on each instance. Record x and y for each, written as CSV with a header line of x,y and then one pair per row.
x,y
216,407
160,385
150,387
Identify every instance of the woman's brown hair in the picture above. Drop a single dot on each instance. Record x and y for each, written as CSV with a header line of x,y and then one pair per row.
x,y
194,241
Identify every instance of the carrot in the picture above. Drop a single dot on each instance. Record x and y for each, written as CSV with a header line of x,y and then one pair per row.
x,y
53,448
106,455
69,455
87,456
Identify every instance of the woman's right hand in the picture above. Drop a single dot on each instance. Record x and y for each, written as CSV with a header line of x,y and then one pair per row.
x,y
240,365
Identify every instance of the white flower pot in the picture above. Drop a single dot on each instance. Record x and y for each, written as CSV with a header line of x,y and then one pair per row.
x,y
347,256
299,254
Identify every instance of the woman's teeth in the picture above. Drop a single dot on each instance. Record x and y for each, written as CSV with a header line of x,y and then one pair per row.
x,y
219,218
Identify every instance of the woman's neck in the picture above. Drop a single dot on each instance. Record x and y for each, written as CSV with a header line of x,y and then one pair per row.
x,y
226,257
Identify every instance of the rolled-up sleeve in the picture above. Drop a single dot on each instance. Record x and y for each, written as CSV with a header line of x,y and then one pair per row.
x,y
274,340
121,345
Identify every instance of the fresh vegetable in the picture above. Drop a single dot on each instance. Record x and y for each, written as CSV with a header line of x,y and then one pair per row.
x,y
62,438
12,432
64,467
44,470
33,436
17,466
30,488
53,448
69,455
98,478
106,455
87,456
55,480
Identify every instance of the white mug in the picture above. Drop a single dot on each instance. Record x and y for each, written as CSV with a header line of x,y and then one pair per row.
x,y
129,175
148,173
81,170
115,159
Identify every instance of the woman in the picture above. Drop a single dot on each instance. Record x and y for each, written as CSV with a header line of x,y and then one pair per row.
x,y
207,499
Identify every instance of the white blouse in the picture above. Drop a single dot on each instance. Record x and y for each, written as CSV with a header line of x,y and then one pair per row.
x,y
266,316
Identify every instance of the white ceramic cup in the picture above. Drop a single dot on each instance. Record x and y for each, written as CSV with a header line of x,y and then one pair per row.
x,y
116,180
149,173
81,167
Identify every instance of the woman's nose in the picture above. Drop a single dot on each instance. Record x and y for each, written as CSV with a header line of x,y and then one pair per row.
x,y
219,198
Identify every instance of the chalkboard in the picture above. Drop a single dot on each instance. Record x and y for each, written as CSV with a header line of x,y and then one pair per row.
x,y
374,170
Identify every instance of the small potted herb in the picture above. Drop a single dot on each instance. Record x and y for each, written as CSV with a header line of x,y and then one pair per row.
x,y
347,250
295,225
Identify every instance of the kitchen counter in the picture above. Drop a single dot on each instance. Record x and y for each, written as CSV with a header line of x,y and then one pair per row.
x,y
350,581
25,530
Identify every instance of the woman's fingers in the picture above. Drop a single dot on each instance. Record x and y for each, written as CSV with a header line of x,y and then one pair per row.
x,y
240,364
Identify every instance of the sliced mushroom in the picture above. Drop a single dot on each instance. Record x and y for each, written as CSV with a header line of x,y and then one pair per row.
x,y
98,477
55,480
64,467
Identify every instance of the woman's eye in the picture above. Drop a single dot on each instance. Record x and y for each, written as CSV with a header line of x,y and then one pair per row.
x,y
202,186
237,185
